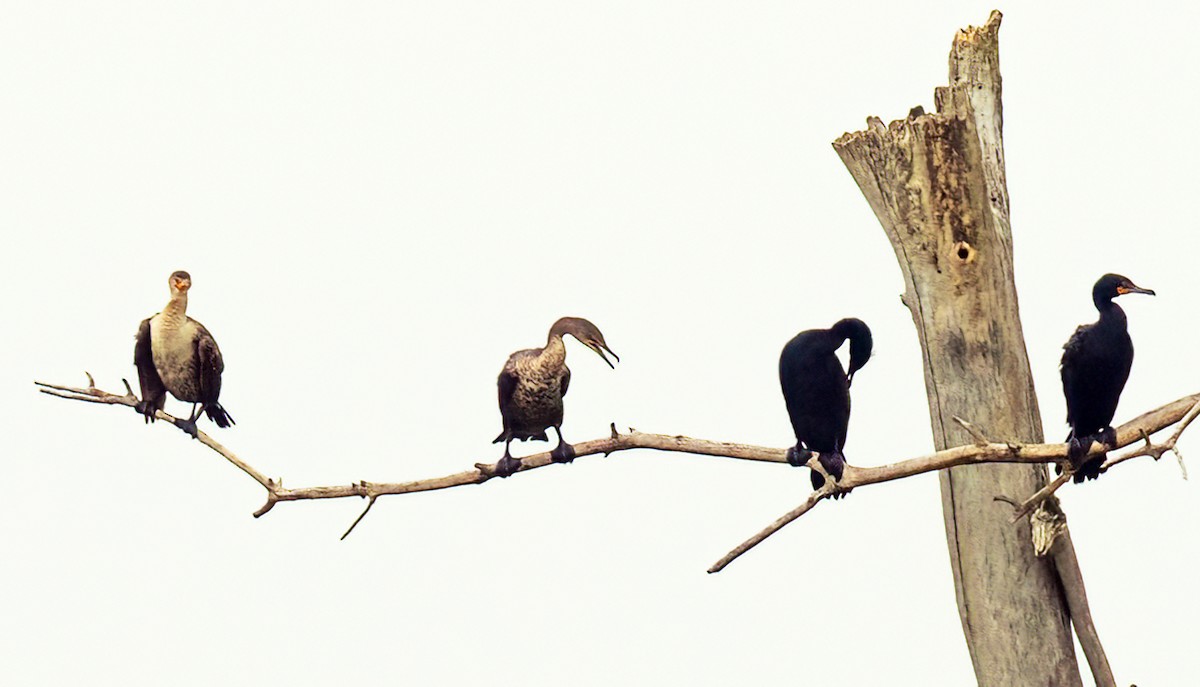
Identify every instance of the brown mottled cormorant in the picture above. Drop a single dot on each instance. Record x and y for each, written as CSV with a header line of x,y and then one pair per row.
x,y
1095,365
176,353
817,391
532,385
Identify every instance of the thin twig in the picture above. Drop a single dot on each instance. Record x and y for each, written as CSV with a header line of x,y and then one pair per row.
x,y
975,432
1026,507
370,502
774,527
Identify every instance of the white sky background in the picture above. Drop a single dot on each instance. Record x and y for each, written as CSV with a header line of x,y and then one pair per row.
x,y
379,203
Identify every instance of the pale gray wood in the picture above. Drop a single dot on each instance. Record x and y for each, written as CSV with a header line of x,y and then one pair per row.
x,y
936,183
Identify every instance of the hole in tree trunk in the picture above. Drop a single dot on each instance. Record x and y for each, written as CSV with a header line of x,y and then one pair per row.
x,y
965,251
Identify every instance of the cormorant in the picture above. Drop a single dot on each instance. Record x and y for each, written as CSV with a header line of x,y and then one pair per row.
x,y
817,391
532,385
176,353
1095,364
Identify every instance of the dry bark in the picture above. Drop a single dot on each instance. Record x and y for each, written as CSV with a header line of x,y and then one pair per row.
x,y
936,183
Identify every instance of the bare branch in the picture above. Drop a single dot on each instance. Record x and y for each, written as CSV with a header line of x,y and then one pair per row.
x,y
1186,408
976,434
1081,614
1155,451
853,477
1026,507
370,502
94,395
813,498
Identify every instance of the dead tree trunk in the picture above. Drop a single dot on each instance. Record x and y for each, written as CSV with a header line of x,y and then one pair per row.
x,y
936,182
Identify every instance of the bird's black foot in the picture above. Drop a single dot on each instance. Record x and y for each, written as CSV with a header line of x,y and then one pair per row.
x,y
1108,437
507,466
818,481
563,453
145,409
189,427
834,464
798,457
1077,452
1078,448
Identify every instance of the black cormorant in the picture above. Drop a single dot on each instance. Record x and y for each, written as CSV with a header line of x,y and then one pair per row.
x,y
817,391
1095,364
532,385
176,353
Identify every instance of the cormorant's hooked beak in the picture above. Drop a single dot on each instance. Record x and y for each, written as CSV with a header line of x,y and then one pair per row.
x,y
855,366
598,346
1131,288
182,285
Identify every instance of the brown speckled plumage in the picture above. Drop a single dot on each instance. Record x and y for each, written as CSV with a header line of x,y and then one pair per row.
x,y
532,385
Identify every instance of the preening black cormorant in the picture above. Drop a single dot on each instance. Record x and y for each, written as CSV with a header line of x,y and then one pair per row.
x,y
532,385
817,391
1095,364
176,353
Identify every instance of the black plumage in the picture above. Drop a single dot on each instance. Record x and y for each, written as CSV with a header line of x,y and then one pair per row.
x,y
1095,366
531,388
175,353
817,391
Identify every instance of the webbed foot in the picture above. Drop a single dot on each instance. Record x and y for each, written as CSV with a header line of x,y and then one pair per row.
x,y
798,457
189,427
834,464
818,481
145,409
507,466
563,453
1108,437
1078,448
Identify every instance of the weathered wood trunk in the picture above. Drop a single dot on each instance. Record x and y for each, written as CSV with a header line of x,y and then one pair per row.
x,y
936,182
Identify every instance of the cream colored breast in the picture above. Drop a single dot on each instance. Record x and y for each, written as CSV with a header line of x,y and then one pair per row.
x,y
171,343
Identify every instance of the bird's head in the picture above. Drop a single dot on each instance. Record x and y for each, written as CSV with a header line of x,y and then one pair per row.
x,y
587,334
180,282
861,342
1110,286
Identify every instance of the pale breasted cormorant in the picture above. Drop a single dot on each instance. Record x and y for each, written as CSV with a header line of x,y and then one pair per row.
x,y
817,391
532,385
176,353
1095,365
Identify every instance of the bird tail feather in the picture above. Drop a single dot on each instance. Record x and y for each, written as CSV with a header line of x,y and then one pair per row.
x,y
522,436
1090,469
218,415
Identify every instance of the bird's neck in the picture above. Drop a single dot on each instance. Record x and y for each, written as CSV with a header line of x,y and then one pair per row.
x,y
175,313
555,352
1112,315
834,339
